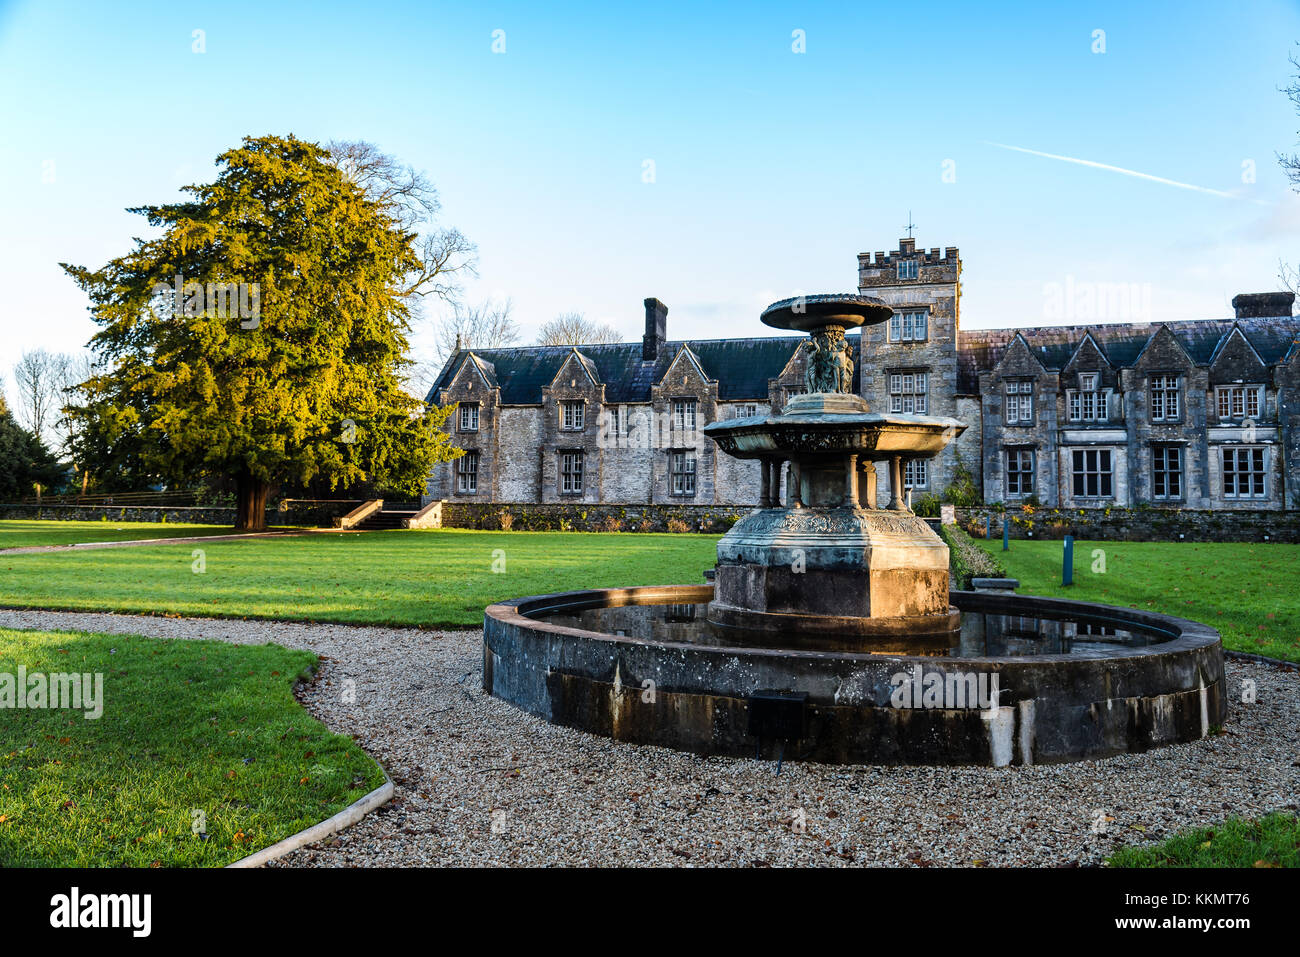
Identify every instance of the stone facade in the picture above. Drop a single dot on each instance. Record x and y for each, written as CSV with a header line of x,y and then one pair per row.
x,y
1198,414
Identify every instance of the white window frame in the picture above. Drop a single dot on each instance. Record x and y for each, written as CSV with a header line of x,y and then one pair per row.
x,y
467,474
1165,398
1241,401
1256,479
469,417
1019,402
681,473
916,473
908,392
1089,402
571,468
912,326
684,414
907,269
573,415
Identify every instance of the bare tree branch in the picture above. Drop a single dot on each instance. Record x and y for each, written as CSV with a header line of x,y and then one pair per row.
x,y
43,380
408,196
574,329
484,326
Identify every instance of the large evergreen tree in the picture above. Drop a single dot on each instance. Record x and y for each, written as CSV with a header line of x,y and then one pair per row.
x,y
24,460
296,372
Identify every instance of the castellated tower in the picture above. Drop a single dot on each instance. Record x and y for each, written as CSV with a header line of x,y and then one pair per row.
x,y
909,365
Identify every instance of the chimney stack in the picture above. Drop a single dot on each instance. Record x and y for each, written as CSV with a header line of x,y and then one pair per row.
x,y
656,330
1251,305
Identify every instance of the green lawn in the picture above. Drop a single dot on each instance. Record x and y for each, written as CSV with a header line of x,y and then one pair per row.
x,y
1247,591
1272,841
186,727
433,578
25,534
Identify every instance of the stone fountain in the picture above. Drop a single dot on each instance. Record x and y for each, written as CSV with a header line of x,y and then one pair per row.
x,y
827,560
832,626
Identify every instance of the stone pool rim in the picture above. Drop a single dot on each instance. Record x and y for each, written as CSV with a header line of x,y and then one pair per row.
x,y
1062,707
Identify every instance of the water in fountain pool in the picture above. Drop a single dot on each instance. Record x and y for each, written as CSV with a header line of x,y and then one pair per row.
x,y
981,636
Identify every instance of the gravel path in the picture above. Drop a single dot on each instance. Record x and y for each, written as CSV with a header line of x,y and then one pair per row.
x,y
479,783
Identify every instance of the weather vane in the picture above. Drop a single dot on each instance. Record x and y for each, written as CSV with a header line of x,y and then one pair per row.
x,y
910,224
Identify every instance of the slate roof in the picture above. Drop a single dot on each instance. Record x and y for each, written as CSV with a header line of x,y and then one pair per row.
x,y
740,366
979,350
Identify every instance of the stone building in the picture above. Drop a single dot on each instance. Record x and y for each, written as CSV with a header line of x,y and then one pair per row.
x,y
1195,414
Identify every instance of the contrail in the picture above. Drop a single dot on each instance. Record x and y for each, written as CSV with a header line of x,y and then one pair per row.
x,y
1120,169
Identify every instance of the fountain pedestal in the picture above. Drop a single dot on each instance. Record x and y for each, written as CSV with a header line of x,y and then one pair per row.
x,y
827,561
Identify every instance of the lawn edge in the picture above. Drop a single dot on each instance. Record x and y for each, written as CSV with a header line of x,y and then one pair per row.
x,y
196,616
345,818
1261,659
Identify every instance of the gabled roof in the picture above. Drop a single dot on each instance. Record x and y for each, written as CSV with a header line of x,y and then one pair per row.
x,y
588,367
1010,349
485,369
1227,337
1088,337
740,366
979,350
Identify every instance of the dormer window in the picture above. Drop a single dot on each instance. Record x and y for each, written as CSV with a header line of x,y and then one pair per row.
x,y
684,415
573,416
469,416
1240,401
1020,402
1089,402
1166,402
907,269
908,326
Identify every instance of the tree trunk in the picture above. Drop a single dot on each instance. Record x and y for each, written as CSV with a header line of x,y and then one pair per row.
x,y
250,499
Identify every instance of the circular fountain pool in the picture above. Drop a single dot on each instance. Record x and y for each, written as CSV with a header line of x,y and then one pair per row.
x,y
831,634
1025,680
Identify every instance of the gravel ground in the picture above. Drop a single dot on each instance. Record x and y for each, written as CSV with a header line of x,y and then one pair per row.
x,y
480,783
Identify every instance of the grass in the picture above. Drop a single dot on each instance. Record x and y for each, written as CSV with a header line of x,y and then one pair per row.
x,y
1272,841
25,533
187,726
440,578
1245,590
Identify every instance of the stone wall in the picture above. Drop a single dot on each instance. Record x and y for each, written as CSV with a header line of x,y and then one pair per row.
x,y
321,515
584,517
1138,524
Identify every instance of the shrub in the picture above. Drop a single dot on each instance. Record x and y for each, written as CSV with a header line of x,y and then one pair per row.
x,y
645,525
676,525
610,524
507,520
962,492
927,506
966,560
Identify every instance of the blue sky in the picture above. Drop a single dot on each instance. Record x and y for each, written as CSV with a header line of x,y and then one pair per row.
x,y
773,169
